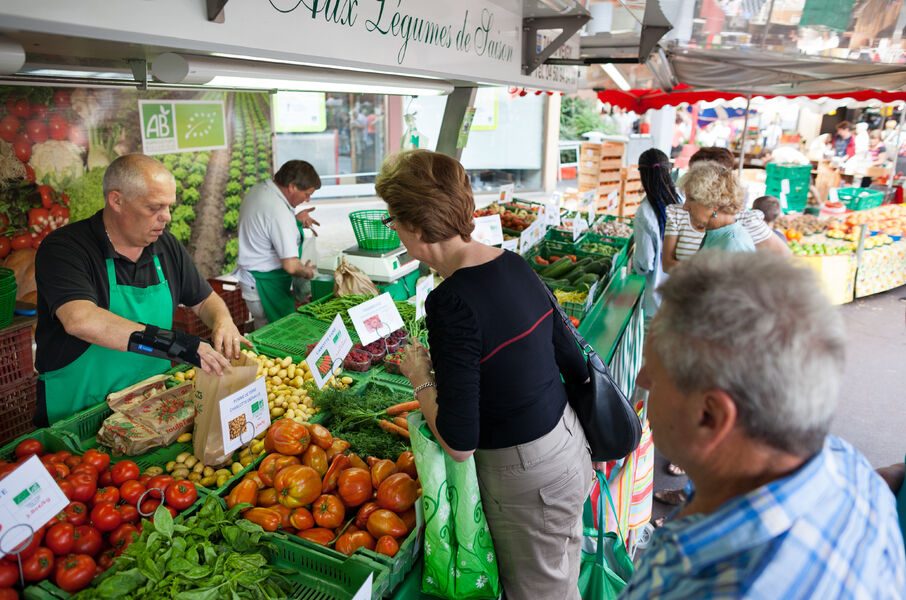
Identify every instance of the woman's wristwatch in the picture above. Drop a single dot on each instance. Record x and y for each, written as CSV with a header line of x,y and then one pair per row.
x,y
423,386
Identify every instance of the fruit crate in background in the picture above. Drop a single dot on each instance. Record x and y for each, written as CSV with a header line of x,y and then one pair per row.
x,y
289,336
16,363
17,407
187,321
860,198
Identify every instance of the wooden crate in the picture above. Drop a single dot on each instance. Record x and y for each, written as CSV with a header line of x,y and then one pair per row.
x,y
610,176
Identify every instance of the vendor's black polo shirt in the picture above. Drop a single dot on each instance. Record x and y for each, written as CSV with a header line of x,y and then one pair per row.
x,y
71,265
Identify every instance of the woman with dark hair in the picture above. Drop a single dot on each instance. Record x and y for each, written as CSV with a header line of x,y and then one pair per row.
x,y
650,221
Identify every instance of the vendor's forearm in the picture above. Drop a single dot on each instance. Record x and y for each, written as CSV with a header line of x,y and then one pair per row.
x,y
294,267
85,320
212,310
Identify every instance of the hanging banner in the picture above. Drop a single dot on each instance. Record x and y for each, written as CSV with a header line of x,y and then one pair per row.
x,y
182,126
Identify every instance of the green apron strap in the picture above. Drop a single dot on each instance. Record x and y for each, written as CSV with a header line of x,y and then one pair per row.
x,y
275,292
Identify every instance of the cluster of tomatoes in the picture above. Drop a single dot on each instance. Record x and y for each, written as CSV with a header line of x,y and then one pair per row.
x,y
102,519
308,485
42,220
27,123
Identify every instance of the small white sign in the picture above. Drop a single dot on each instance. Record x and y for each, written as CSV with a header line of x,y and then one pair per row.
x,y
244,415
364,592
612,204
579,227
375,319
785,186
330,350
556,200
511,245
488,230
531,236
591,295
833,195
422,289
506,193
29,498
782,200
551,215
587,199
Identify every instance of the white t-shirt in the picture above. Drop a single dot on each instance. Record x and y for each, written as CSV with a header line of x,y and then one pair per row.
x,y
690,239
267,233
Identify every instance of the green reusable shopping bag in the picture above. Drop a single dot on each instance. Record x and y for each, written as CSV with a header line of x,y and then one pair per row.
x,y
605,572
459,558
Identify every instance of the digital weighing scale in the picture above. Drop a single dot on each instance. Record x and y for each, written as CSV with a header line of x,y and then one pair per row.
x,y
385,266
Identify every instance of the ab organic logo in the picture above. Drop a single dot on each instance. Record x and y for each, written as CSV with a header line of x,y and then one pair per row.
x,y
182,126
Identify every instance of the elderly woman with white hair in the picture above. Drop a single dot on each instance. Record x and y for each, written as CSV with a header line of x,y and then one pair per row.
x,y
743,365
714,200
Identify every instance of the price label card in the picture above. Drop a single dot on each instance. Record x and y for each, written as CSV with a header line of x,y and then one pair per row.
x,y
506,193
422,289
552,215
591,216
833,195
375,319
556,200
591,295
785,186
488,230
612,198
364,592
579,227
587,199
244,415
331,349
511,245
29,498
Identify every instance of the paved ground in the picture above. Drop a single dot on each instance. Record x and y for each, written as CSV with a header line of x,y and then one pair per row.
x,y
872,410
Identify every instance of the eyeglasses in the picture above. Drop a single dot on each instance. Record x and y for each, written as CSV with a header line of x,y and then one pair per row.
x,y
388,222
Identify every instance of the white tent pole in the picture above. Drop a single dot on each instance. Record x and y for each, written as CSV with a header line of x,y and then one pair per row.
x,y
745,132
896,150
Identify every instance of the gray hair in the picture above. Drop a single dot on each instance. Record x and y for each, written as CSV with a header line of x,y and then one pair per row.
x,y
713,185
758,328
128,175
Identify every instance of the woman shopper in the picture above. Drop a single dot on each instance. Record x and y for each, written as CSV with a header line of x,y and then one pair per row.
x,y
714,200
497,351
650,222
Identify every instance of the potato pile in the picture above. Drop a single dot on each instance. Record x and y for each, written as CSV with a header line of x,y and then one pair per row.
x,y
187,466
183,376
287,395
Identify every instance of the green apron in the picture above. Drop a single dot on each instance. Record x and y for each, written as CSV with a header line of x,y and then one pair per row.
x,y
87,380
275,292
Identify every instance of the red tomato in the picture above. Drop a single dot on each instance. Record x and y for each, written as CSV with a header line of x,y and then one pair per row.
x,y
106,559
39,110
129,513
61,98
73,461
87,540
8,594
105,478
58,127
124,471
28,447
144,479
60,538
47,201
26,548
76,513
66,487
39,566
105,517
9,574
22,148
122,536
74,572
29,171
148,506
97,459
86,470
4,223
159,482
9,127
64,198
131,491
36,130
21,108
181,494
21,241
83,487
5,247
58,471
106,494
61,456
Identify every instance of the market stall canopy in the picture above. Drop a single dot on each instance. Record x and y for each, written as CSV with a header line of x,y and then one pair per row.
x,y
643,100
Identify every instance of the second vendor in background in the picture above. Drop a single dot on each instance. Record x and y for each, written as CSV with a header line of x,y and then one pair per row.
x,y
270,240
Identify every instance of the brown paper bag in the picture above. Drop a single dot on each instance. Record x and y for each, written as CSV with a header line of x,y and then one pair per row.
x,y
209,391
147,415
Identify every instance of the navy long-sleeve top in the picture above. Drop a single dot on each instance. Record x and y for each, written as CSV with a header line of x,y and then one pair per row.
x,y
498,350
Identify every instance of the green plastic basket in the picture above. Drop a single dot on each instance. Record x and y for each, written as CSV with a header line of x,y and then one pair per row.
x,y
289,336
370,232
860,198
53,441
394,381
796,174
7,306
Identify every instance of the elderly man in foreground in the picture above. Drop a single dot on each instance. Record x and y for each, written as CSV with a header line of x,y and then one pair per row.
x,y
742,367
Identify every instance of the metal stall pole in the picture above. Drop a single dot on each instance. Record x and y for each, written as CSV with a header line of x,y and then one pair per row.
x,y
745,132
458,102
896,152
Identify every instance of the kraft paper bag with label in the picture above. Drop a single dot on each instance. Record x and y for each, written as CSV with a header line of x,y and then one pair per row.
x,y
209,391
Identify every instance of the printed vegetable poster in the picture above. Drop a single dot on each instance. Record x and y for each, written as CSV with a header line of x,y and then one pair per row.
x,y
56,143
375,319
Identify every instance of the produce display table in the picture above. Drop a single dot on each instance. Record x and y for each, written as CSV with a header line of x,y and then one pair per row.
x,y
881,269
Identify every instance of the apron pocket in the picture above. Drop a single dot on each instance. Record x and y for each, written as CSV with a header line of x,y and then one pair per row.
x,y
559,505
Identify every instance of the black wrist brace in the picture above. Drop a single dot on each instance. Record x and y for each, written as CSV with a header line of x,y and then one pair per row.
x,y
165,343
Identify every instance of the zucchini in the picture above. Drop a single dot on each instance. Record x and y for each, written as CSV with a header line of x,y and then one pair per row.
x,y
558,269
589,278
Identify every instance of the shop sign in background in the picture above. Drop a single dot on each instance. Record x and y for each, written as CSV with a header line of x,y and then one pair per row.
x,y
182,126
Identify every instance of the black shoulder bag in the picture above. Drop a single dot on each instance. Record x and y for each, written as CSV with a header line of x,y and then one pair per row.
x,y
611,425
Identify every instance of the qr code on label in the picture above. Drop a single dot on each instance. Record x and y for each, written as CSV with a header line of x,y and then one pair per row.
x,y
237,427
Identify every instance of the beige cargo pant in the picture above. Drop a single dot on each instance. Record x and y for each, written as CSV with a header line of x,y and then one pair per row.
x,y
533,496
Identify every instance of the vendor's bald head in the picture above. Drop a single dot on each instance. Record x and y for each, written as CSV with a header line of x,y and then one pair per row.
x,y
139,192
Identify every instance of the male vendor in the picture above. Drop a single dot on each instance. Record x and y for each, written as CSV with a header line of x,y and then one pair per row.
x,y
107,290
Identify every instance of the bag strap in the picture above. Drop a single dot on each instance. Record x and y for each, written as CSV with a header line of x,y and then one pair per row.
x,y
586,347
605,489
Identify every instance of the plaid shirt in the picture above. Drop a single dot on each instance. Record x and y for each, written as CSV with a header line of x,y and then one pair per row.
x,y
829,530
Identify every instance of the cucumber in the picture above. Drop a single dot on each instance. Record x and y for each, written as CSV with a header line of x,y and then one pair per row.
x,y
589,278
576,275
559,268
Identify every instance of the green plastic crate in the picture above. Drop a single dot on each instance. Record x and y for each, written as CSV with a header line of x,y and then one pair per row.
x,y
395,381
319,575
796,174
289,336
52,440
860,198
